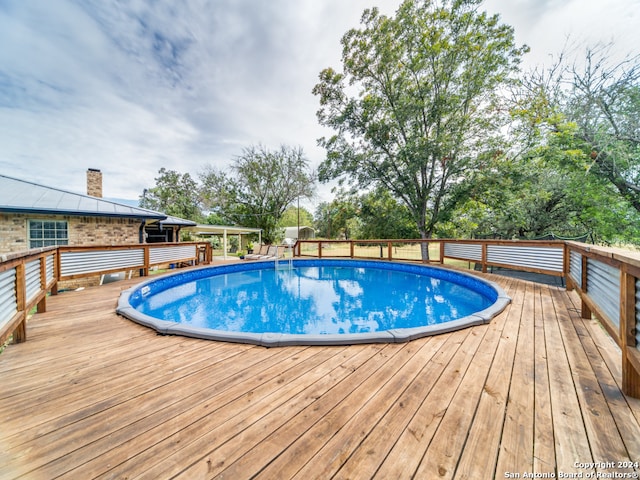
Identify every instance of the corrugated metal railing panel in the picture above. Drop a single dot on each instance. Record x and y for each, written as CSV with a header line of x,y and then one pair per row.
x,y
8,299
170,254
32,279
603,287
50,268
78,263
575,267
542,258
638,314
465,251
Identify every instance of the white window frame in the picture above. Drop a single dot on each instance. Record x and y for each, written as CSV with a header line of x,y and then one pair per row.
x,y
44,241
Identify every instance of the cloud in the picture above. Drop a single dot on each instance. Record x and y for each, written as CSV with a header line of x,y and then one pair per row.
x,y
130,87
551,26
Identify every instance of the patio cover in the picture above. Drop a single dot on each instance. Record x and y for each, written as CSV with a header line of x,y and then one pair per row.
x,y
208,230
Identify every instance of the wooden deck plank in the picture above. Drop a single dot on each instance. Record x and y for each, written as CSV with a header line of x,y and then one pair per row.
x,y
570,435
446,448
506,405
74,394
334,420
363,416
406,454
232,418
605,440
375,448
92,395
604,353
229,393
104,420
268,448
274,433
544,457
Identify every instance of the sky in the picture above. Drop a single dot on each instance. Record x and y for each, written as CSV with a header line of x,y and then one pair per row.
x,y
129,87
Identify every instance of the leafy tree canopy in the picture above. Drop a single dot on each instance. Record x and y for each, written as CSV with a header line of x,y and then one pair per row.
x,y
338,218
259,187
580,122
293,216
372,215
382,216
604,103
175,194
416,101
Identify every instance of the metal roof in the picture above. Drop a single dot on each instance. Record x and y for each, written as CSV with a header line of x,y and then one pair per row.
x,y
177,221
19,196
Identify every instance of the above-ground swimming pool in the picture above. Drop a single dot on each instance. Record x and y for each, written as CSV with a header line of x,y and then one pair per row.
x,y
313,302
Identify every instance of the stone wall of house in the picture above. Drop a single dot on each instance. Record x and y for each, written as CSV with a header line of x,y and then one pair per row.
x,y
103,231
13,233
81,230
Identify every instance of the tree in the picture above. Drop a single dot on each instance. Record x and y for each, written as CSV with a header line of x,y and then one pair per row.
x,y
521,198
381,216
259,187
580,121
294,216
425,102
604,103
337,219
175,194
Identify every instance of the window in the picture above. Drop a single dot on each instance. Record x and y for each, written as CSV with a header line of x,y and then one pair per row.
x,y
45,233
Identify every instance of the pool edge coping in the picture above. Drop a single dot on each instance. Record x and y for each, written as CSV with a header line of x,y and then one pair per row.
x,y
398,335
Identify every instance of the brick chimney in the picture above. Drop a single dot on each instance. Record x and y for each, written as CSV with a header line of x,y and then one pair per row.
x,y
94,182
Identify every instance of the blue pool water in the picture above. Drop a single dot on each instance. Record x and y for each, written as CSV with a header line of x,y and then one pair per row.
x,y
316,298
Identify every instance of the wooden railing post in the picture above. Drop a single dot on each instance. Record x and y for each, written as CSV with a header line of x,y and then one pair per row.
x,y
630,369
320,249
147,261
566,267
42,304
56,272
390,250
20,333
484,257
58,266
585,310
208,253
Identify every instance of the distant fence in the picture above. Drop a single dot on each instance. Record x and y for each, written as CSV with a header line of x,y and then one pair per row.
x,y
26,278
533,256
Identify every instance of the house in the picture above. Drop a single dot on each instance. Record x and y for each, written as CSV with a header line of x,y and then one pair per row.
x,y
34,216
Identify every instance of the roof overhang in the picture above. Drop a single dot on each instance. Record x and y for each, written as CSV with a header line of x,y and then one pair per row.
x,y
138,214
221,230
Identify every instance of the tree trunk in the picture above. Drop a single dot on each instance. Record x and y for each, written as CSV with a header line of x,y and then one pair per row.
x,y
424,246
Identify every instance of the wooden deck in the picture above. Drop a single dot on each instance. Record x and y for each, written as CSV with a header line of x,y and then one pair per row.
x,y
92,395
